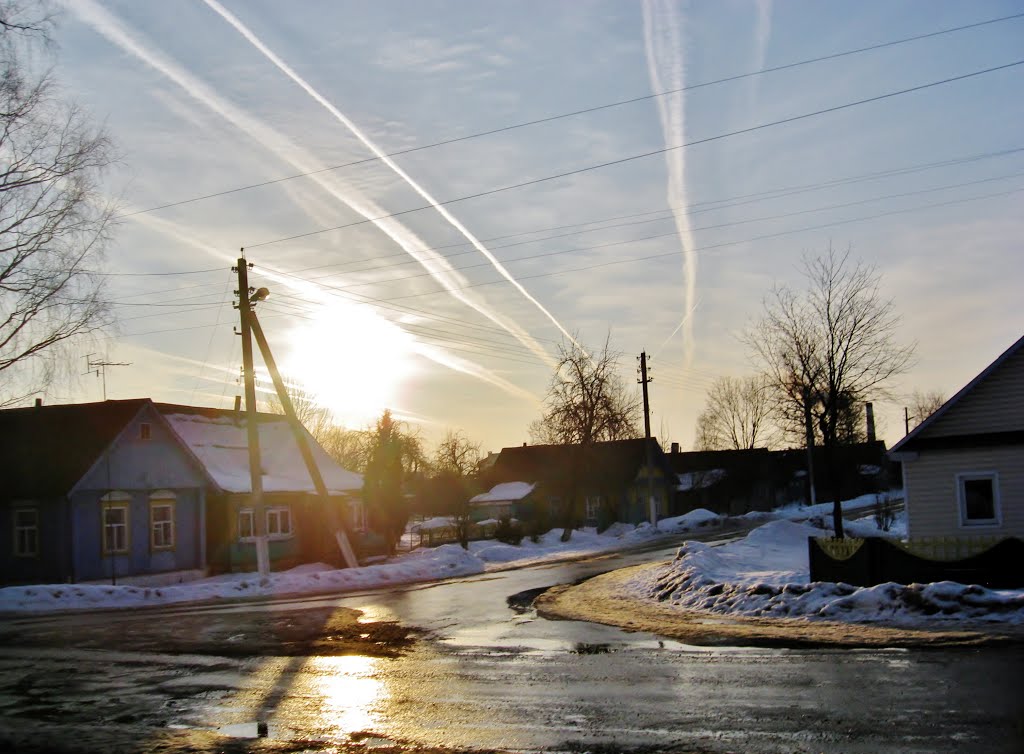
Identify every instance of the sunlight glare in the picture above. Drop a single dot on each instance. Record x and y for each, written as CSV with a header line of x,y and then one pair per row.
x,y
351,359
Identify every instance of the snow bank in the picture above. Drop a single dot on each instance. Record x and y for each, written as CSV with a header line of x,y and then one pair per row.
x,y
424,565
765,574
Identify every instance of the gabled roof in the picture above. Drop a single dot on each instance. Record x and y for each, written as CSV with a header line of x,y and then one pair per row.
x,y
504,492
218,438
45,450
704,460
911,442
615,462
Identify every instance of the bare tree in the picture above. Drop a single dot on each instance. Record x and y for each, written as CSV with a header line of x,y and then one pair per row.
x,y
456,454
737,415
828,346
923,405
315,417
53,221
587,402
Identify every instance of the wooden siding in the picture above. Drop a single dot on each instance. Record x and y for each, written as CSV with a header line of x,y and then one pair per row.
x,y
994,405
932,499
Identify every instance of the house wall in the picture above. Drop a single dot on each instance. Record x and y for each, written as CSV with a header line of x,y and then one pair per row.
x,y
137,467
932,493
52,562
994,405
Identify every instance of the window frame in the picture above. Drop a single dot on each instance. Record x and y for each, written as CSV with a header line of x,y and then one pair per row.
x,y
145,431
251,515
17,530
163,501
276,511
592,505
111,503
961,493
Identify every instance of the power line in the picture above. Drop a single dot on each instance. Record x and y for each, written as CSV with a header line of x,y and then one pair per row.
x,y
154,274
584,111
643,155
693,208
722,245
673,233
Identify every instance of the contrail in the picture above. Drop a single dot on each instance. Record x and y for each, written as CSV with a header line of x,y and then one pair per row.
x,y
380,154
114,30
663,46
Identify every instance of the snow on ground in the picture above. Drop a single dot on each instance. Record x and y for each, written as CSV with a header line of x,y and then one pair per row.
x,y
757,562
765,574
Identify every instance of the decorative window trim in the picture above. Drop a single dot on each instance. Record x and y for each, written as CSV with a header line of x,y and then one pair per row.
x,y
972,476
30,530
276,532
116,501
164,530
592,507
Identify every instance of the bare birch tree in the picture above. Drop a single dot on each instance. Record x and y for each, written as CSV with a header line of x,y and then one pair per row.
x,y
923,405
828,346
54,222
737,415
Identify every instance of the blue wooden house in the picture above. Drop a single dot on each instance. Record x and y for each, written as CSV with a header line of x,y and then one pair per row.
x,y
98,491
133,490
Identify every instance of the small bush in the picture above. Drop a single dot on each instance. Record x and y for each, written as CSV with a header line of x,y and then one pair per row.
x,y
883,513
508,532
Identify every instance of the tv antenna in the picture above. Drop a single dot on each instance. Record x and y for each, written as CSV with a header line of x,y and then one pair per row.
x,y
99,368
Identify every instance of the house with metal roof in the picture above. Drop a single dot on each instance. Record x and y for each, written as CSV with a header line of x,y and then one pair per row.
x,y
133,490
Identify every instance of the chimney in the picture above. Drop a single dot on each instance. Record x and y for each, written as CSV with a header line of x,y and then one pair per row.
x,y
869,412
675,448
39,402
238,403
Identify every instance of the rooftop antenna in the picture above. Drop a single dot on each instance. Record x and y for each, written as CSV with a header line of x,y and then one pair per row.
x,y
99,368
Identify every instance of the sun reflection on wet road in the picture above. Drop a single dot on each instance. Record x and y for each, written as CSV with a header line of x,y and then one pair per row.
x,y
352,696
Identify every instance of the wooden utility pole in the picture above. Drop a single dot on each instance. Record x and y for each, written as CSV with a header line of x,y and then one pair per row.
x,y
299,433
644,379
809,435
906,420
259,522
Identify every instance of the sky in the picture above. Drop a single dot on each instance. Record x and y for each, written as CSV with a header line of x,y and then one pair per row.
x,y
451,311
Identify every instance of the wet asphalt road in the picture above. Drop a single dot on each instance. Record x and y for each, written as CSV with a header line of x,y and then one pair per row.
x,y
487,675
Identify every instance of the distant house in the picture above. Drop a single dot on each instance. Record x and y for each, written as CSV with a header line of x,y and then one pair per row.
x,y
506,500
98,491
963,467
608,480
131,490
757,479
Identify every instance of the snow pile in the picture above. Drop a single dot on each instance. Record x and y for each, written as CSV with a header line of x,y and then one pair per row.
x,y
424,565
692,520
766,575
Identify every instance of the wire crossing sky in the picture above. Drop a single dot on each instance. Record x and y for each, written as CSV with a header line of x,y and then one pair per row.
x,y
645,172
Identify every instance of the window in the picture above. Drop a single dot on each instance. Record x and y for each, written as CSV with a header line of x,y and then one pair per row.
x,y
26,532
161,524
246,524
279,522
145,431
115,528
979,498
592,507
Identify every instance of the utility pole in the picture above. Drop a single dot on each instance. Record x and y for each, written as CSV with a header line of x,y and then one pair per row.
x,y
252,428
644,379
809,434
906,420
99,368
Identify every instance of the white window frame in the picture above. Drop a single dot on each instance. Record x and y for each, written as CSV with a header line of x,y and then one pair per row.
x,y
31,532
274,531
251,515
973,476
167,528
592,507
116,503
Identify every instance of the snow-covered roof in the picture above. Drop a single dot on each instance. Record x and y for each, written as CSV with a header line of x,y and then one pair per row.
x,y
220,444
501,493
439,522
699,480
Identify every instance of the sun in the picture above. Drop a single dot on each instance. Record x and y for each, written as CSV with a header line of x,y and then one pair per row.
x,y
351,359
